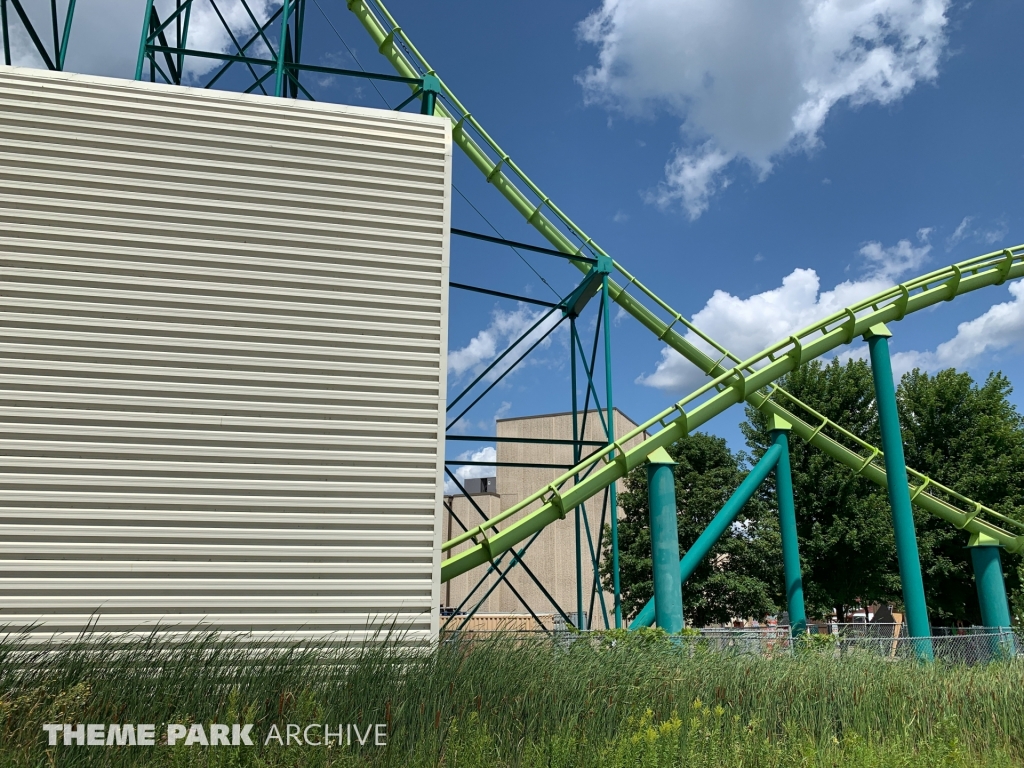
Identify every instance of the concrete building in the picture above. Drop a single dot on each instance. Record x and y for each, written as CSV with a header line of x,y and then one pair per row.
x,y
552,557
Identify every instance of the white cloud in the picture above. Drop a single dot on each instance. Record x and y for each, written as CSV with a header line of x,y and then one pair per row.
x,y
504,329
105,33
995,233
989,235
206,31
1001,327
488,453
694,177
889,263
746,326
752,80
959,233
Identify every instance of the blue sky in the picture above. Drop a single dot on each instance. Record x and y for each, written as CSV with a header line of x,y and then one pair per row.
x,y
768,152
946,150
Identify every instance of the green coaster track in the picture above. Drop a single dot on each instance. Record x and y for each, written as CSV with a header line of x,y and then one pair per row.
x,y
732,380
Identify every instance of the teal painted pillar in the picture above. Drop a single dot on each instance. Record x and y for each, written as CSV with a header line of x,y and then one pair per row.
x,y
787,529
6,34
142,43
719,525
988,577
576,460
280,73
899,495
65,38
613,507
431,87
661,496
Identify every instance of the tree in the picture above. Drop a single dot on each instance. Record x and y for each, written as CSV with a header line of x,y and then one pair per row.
x,y
965,436
1017,597
847,550
969,438
742,575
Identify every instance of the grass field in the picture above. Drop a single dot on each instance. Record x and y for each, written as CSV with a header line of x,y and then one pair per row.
x,y
505,701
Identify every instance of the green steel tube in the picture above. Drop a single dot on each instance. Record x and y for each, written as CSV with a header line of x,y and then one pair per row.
x,y
718,525
279,84
787,528
957,277
145,39
612,498
746,382
661,496
899,497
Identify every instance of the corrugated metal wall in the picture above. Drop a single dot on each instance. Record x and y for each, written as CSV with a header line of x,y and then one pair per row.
x,y
223,345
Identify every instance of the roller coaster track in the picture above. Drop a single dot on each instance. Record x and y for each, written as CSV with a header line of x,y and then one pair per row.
x,y
733,380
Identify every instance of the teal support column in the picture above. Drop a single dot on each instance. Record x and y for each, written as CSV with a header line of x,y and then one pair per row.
x,y
718,525
787,529
143,42
66,37
280,74
431,87
6,34
183,42
877,338
613,508
576,460
988,577
661,497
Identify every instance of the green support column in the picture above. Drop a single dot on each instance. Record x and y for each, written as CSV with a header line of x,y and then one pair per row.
x,y
877,338
787,529
661,496
988,576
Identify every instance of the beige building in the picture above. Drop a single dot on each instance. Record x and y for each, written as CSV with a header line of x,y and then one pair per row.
x,y
552,557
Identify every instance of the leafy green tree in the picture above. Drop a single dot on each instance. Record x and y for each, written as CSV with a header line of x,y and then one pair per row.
x,y
847,551
971,439
742,575
965,436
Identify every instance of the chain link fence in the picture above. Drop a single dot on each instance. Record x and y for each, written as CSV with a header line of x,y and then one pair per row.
x,y
952,645
955,645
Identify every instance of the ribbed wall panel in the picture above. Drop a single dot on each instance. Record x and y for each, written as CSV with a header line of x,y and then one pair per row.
x,y
222,360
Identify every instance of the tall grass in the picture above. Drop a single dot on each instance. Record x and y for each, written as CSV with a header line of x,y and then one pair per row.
x,y
510,701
